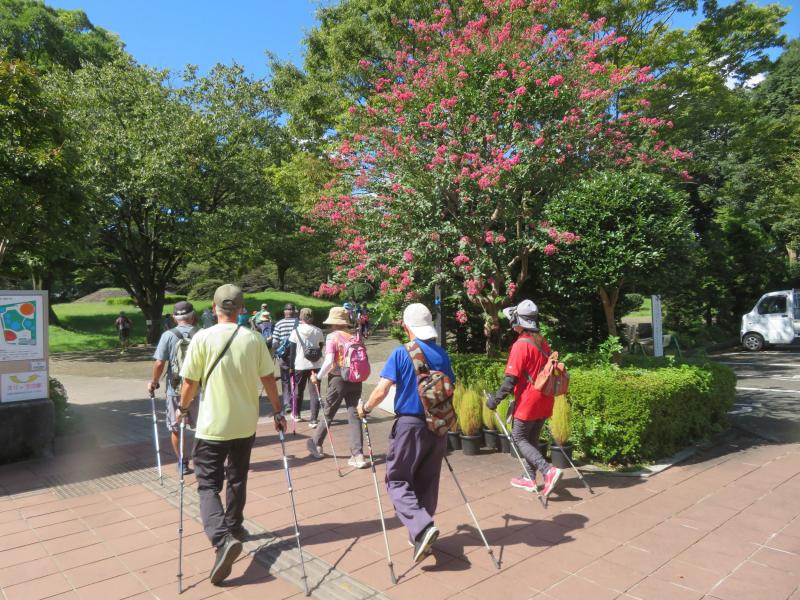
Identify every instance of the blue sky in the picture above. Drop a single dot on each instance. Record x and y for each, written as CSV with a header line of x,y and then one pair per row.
x,y
173,33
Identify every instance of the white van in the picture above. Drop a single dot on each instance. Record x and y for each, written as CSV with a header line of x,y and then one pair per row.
x,y
775,319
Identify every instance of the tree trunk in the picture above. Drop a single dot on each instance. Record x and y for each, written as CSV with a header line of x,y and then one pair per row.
x,y
609,303
282,268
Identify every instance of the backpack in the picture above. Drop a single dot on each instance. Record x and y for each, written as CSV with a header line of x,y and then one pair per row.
x,y
283,350
553,379
311,352
178,356
435,391
355,363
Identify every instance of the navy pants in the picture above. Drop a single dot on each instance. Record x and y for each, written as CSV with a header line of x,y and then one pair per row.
x,y
413,467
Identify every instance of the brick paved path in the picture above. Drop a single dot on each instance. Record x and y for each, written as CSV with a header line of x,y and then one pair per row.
x,y
722,525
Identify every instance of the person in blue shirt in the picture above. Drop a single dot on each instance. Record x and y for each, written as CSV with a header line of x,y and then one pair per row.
x,y
414,457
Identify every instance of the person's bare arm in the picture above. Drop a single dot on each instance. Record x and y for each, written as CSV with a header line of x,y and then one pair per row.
x,y
158,369
188,394
376,397
272,393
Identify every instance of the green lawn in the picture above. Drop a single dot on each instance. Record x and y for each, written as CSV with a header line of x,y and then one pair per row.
x,y
644,311
90,325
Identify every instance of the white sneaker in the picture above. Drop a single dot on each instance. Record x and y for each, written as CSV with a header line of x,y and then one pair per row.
x,y
357,461
297,419
312,424
315,451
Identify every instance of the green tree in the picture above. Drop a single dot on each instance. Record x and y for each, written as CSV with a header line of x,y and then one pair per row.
x,y
45,36
159,161
37,194
635,235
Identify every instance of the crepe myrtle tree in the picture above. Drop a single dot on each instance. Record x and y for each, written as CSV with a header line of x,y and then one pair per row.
x,y
469,129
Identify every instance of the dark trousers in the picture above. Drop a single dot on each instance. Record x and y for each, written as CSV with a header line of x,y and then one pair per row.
x,y
300,379
286,385
413,467
350,392
526,437
210,470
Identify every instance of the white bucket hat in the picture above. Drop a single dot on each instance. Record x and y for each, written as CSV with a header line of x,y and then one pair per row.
x,y
418,319
525,314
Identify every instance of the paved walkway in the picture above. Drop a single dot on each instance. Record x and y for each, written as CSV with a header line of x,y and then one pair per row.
x,y
722,525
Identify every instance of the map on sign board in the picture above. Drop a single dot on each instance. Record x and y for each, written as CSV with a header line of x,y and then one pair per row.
x,y
20,328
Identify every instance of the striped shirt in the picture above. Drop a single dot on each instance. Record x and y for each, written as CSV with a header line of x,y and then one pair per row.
x,y
282,329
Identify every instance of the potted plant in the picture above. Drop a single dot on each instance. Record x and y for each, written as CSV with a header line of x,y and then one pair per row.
x,y
502,413
469,420
490,439
453,439
560,430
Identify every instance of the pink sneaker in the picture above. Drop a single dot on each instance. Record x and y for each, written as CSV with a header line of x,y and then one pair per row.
x,y
550,480
524,483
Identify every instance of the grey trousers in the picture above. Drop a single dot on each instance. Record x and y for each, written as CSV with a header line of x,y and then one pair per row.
x,y
338,390
210,471
413,468
526,437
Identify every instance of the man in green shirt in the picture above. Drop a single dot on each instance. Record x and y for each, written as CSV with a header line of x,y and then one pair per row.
x,y
232,362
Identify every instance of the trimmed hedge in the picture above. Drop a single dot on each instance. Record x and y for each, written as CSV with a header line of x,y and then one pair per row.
x,y
635,413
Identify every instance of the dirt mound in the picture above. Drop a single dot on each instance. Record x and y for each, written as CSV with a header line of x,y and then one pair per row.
x,y
103,295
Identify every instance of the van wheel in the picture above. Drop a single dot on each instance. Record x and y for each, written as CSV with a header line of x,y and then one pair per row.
x,y
753,342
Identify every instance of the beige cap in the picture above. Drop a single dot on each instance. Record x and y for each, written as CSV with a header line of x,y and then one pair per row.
x,y
419,320
229,297
337,316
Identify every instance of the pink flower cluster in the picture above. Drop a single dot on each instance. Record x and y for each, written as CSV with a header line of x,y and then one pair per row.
x,y
461,316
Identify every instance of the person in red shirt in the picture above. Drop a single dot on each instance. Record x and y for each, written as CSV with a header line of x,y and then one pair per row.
x,y
527,357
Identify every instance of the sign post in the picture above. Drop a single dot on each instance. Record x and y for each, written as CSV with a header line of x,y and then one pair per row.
x,y
27,417
437,301
658,337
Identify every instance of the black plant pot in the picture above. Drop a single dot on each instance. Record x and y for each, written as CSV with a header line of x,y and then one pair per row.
x,y
471,444
505,443
557,455
544,447
490,440
454,440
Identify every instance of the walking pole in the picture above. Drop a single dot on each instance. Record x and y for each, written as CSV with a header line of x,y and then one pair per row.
x,y
380,506
294,401
469,508
569,460
155,436
180,514
518,455
330,435
294,510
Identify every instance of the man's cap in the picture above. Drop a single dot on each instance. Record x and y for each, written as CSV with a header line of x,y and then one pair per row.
x,y
419,320
229,297
290,306
337,316
525,314
264,305
182,308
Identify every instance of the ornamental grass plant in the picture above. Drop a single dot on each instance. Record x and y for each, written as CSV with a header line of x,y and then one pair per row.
x,y
469,412
560,421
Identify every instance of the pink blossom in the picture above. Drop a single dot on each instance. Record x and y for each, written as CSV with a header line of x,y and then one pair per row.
x,y
538,142
461,259
306,229
384,287
550,249
500,239
520,90
474,286
511,289
555,80
408,256
488,237
461,316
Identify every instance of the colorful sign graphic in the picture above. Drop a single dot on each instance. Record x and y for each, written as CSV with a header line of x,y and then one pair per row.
x,y
23,386
21,328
